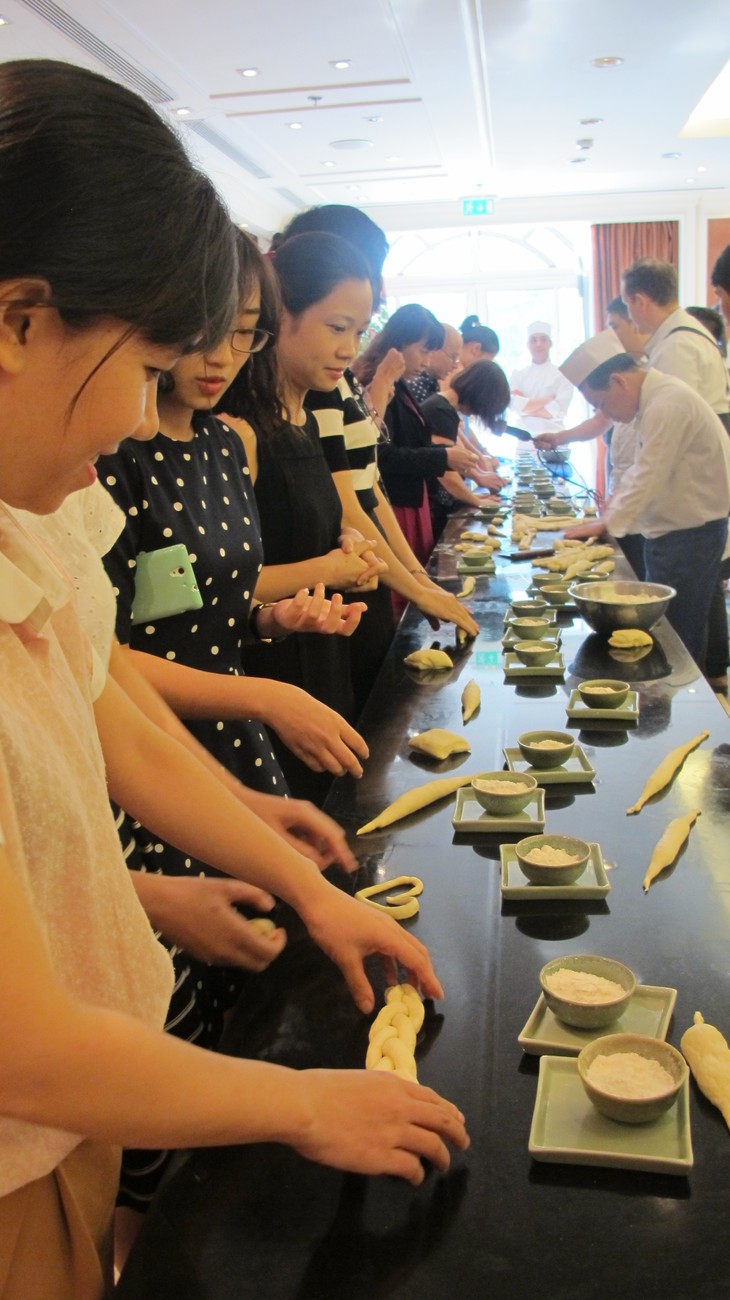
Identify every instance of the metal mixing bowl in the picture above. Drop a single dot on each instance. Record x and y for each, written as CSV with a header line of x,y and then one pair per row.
x,y
602,606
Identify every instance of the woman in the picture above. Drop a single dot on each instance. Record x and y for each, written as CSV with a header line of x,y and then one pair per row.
x,y
479,342
481,390
326,296
91,309
349,436
407,458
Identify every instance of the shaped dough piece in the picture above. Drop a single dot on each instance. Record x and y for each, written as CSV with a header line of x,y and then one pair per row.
x,y
392,1036
469,585
663,774
439,744
423,659
402,905
708,1057
471,698
420,797
263,925
626,638
669,846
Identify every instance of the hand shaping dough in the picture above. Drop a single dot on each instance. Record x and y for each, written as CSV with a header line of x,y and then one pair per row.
x,y
471,698
392,1037
423,659
708,1058
469,585
400,905
415,799
263,924
439,744
665,771
669,845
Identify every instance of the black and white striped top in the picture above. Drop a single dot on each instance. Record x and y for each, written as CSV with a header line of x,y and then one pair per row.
x,y
349,436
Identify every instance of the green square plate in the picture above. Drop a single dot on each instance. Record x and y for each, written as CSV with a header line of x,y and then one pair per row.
x,y
514,667
568,1130
628,712
648,1012
593,883
575,771
477,571
470,817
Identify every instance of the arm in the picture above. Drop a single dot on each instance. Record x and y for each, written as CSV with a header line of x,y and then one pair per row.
x,y
164,787
557,406
594,427
381,386
339,568
101,1074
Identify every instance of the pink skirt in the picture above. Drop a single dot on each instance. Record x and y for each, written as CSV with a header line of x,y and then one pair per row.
x,y
416,526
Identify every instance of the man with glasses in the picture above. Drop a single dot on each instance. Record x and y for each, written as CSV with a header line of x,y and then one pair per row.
x,y
441,364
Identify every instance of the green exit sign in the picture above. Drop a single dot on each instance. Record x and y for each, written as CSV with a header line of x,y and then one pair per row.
x,y
477,207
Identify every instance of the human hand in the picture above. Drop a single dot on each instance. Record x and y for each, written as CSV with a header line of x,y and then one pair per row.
x,y
348,931
315,733
442,606
462,459
547,441
596,528
199,914
391,368
315,613
353,542
370,1122
488,480
311,832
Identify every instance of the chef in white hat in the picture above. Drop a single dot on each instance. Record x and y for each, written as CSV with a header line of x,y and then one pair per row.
x,y
540,394
677,492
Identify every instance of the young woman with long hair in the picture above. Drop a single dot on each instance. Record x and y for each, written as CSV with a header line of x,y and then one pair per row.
x,y
106,276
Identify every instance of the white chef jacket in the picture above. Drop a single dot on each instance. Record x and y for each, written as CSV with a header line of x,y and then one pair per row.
x,y
541,381
690,357
680,477
624,441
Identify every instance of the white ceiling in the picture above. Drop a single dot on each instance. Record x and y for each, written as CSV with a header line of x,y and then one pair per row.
x,y
471,96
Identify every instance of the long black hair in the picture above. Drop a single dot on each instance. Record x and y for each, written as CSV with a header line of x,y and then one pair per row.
x,y
253,395
482,389
308,268
350,224
99,199
410,324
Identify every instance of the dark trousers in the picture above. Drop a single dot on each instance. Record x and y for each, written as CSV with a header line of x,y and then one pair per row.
x,y
632,546
689,560
718,649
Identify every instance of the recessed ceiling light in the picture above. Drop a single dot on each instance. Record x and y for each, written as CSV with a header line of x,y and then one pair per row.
x,y
393,157
350,144
294,126
690,180
249,72
578,160
375,118
243,225
183,112
4,22
590,121
672,154
329,163
702,169
585,143
340,63
607,61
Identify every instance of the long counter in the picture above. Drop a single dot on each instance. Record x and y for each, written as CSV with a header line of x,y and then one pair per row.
x,y
260,1223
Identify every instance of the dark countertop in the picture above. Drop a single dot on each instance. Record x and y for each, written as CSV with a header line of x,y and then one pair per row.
x,y
260,1223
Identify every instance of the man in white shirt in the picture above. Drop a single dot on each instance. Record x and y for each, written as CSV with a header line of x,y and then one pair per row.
x,y
540,394
678,344
677,492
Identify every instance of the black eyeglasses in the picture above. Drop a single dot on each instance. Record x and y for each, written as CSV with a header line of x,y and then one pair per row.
x,y
250,340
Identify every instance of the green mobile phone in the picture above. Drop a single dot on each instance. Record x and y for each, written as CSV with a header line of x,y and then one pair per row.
x,y
164,584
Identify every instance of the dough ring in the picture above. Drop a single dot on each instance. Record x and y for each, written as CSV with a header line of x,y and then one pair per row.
x,y
401,905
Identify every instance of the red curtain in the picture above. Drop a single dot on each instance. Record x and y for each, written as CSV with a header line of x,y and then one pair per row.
x,y
615,247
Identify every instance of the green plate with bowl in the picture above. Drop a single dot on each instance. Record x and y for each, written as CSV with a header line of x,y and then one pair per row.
x,y
513,667
576,770
568,1130
477,570
648,1012
469,816
629,712
594,882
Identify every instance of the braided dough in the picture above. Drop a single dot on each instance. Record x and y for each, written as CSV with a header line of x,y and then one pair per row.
x,y
392,1037
401,905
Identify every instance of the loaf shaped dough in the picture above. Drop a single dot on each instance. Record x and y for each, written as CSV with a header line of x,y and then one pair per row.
x,y
471,698
424,659
626,638
708,1057
439,744
469,585
420,797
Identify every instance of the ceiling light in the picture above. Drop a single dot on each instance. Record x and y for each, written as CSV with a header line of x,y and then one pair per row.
x,y
672,154
249,72
340,63
690,180
375,118
393,157
294,126
183,112
607,61
354,189
578,160
329,163
702,169
4,22
590,121
585,143
243,225
350,144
